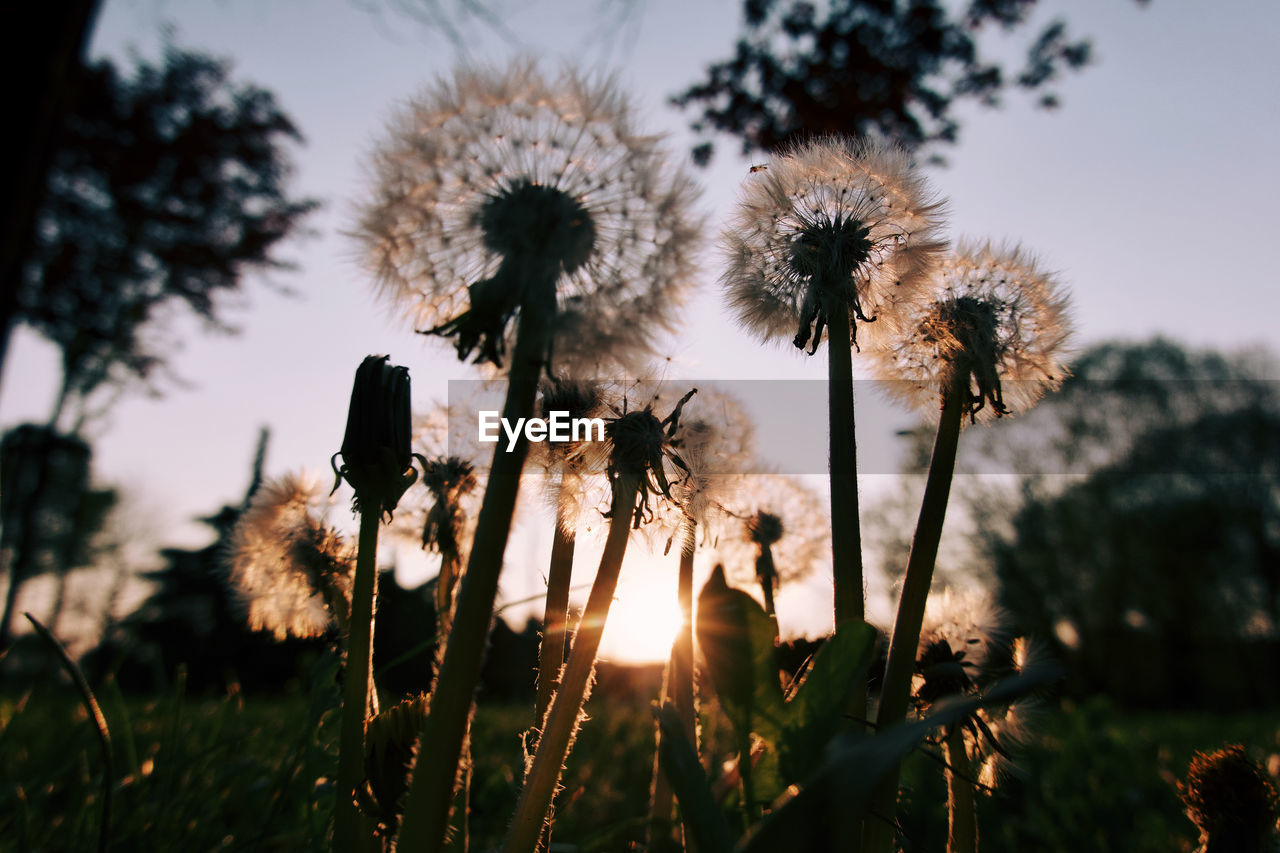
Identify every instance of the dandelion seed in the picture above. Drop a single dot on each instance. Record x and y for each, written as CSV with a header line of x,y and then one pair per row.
x,y
998,323
291,570
490,177
830,222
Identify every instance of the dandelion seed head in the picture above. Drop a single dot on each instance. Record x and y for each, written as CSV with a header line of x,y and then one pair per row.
x,y
783,513
997,319
290,569
830,220
1231,799
489,171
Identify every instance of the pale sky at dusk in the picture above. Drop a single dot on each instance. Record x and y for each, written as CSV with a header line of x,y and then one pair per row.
x,y
1150,192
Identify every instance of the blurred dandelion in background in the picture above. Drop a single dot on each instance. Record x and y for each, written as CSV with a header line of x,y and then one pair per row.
x,y
291,569
491,174
781,534
997,321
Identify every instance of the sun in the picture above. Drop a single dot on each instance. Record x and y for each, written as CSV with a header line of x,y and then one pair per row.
x,y
645,615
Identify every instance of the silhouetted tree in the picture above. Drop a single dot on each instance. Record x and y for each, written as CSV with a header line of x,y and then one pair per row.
x,y
1156,567
164,190
881,68
49,514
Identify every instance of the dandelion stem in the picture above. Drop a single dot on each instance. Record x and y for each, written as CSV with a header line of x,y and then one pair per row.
x,y
426,817
357,684
846,537
662,827
555,618
99,724
562,719
962,818
682,655
915,593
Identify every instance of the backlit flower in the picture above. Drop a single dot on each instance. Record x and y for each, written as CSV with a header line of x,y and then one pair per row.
x,y
491,182
997,320
292,571
832,220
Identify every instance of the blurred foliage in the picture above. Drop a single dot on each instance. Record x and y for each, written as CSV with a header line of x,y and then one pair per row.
x,y
164,190
49,514
240,773
891,69
1144,540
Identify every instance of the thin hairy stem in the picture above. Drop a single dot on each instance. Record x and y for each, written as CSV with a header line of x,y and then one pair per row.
x,y
562,719
555,619
426,817
356,688
962,816
682,655
99,724
896,691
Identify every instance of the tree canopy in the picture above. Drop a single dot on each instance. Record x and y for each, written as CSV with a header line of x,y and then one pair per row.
x,y
880,68
165,189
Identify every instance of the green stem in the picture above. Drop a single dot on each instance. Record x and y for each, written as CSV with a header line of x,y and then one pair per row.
x,y
682,656
555,619
662,827
962,816
896,691
435,775
562,719
846,536
356,684
99,722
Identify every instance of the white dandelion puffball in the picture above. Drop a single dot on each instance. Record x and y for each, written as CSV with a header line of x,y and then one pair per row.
x,y
997,320
289,568
491,176
831,220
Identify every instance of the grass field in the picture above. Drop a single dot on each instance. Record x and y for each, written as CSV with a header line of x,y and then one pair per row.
x,y
249,773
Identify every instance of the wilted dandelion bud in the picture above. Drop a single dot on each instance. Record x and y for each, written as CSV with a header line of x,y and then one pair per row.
x,y
998,325
830,221
375,450
639,448
390,748
1232,800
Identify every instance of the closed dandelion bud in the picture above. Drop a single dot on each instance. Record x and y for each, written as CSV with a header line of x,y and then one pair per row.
x,y
375,450
390,748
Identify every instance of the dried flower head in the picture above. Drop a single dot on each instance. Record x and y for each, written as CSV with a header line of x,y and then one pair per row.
x,y
717,444
830,220
494,182
639,445
1232,800
997,321
291,569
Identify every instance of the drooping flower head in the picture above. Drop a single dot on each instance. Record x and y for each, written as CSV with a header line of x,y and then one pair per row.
x,y
495,187
957,635
782,532
1232,800
997,321
291,570
832,220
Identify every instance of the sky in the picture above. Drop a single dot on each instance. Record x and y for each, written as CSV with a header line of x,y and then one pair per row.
x,y
1151,192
